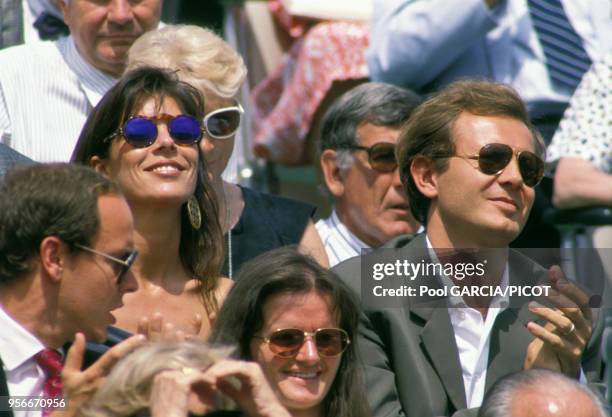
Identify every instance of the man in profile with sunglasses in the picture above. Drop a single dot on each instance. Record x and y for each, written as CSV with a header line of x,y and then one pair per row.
x,y
469,160
66,247
357,155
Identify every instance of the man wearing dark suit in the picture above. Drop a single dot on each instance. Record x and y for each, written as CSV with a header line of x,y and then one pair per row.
x,y
469,159
66,246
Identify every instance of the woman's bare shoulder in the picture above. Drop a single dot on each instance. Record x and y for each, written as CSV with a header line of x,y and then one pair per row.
x,y
223,288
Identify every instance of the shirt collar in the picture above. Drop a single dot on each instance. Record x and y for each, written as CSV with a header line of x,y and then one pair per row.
x,y
94,82
456,301
346,233
16,343
38,7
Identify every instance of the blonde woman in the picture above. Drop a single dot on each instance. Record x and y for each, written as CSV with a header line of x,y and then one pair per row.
x,y
175,379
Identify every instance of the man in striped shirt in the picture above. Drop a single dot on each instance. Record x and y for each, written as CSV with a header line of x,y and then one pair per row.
x,y
357,156
47,89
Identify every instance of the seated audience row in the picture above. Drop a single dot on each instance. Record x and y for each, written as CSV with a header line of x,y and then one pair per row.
x,y
290,315
146,134
469,159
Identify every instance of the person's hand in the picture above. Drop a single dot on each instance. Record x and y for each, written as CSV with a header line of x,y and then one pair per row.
x,y
80,385
245,383
559,344
156,330
174,393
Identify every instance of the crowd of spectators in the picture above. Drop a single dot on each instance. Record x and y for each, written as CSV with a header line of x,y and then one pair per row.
x,y
136,280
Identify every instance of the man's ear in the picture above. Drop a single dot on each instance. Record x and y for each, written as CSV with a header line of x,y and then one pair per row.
x,y
62,5
424,176
99,165
331,173
52,257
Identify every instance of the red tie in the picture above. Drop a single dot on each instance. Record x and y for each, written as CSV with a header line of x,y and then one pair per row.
x,y
50,360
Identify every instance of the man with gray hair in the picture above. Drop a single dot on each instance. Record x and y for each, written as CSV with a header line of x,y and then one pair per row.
x,y
541,393
357,155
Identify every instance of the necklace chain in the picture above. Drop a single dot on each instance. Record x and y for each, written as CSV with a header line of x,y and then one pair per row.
x,y
228,227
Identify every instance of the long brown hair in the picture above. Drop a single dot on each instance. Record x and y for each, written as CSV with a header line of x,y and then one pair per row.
x,y
201,250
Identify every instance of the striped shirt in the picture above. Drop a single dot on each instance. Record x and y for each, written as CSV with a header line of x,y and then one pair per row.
x,y
47,89
340,244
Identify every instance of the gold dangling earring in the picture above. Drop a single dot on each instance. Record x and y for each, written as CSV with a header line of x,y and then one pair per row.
x,y
194,213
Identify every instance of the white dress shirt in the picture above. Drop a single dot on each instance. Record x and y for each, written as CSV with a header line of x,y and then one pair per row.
x,y
47,90
17,349
340,244
473,336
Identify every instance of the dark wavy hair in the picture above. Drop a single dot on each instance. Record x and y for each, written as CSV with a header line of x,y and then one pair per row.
x,y
200,251
286,271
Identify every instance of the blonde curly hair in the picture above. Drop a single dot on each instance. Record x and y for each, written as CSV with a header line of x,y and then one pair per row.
x,y
127,390
199,56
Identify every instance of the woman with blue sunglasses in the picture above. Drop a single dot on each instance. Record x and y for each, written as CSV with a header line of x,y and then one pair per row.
x,y
144,135
253,222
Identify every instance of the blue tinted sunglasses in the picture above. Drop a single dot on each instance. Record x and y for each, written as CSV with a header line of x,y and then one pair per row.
x,y
141,131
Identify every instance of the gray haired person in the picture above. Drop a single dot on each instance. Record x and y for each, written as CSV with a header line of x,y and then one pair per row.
x,y
357,155
541,393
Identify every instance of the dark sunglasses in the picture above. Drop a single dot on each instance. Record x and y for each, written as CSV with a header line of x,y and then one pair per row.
x,y
286,343
381,155
223,123
141,131
126,263
493,158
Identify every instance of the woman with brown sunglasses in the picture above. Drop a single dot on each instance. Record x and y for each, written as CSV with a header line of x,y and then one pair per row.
x,y
299,321
253,222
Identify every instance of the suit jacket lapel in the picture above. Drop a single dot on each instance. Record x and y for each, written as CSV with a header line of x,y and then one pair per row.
x,y
437,336
4,391
439,344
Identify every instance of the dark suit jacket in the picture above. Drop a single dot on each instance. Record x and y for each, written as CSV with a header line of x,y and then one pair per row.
x,y
10,158
412,361
4,391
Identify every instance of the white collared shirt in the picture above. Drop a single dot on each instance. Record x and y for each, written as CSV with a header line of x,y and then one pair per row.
x,y
17,349
473,336
340,244
47,89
